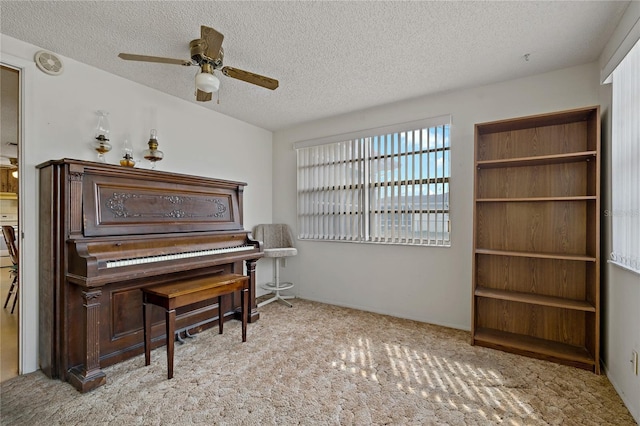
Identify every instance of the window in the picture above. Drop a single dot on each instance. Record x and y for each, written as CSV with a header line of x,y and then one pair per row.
x,y
625,212
387,185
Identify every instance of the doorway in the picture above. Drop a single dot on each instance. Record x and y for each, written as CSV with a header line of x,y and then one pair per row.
x,y
9,206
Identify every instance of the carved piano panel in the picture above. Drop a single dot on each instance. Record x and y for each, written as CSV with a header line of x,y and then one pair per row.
x,y
107,231
124,207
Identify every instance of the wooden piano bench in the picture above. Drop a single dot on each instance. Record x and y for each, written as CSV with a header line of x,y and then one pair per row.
x,y
179,294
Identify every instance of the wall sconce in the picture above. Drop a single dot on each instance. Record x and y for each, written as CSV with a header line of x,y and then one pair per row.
x,y
101,143
153,154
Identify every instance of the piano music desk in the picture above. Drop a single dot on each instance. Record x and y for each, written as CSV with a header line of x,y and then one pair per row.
x,y
184,293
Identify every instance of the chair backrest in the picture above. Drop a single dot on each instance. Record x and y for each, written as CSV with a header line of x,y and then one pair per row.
x,y
10,238
274,235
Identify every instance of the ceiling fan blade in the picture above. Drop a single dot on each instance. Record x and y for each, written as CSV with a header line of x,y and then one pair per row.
x,y
213,39
203,96
250,77
145,58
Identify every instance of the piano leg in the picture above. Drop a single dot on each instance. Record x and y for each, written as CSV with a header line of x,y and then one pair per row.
x,y
89,376
254,315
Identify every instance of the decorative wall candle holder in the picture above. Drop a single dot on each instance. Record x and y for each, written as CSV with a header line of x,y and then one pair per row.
x,y
101,143
153,154
127,154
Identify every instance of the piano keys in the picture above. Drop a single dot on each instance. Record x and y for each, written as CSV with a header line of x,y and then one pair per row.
x,y
107,231
176,256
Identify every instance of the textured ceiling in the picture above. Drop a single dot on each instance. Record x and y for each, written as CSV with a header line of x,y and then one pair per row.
x,y
330,57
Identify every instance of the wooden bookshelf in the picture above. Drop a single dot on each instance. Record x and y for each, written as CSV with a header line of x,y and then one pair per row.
x,y
536,257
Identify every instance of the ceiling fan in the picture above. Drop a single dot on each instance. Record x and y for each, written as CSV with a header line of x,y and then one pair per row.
x,y
207,53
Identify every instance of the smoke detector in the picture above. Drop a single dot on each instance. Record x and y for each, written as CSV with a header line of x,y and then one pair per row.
x,y
48,63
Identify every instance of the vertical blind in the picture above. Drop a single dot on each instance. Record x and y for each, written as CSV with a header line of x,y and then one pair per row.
x,y
380,186
330,191
625,181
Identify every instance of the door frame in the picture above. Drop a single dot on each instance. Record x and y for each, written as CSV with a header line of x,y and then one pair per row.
x,y
27,315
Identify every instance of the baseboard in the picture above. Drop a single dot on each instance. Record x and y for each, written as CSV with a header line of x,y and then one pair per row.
x,y
623,396
390,313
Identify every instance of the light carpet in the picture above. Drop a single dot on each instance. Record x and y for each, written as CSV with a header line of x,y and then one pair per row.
x,y
317,364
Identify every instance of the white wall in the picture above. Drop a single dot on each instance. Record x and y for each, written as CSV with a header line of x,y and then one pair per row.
x,y
620,288
421,283
620,292
59,123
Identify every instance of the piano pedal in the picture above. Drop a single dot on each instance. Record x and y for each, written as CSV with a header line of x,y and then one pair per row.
x,y
179,338
189,335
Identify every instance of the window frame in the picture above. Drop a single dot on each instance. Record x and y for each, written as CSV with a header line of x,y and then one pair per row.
x,y
363,142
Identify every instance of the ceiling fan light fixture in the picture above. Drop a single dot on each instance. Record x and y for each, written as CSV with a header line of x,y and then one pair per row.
x,y
207,82
207,53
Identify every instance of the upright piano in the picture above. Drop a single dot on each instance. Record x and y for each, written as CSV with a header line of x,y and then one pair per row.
x,y
107,231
